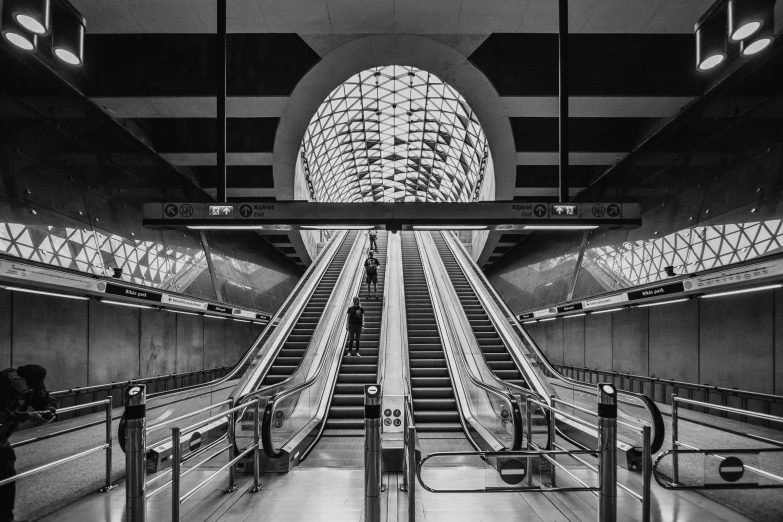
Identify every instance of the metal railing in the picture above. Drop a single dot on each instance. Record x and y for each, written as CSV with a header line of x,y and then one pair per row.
x,y
660,389
106,446
409,462
738,467
160,383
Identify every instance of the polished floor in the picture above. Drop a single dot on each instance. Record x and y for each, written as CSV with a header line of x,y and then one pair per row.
x,y
329,494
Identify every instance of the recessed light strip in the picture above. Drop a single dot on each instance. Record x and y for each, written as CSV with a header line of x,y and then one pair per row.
x,y
743,291
663,302
449,227
120,303
560,227
574,315
607,311
215,316
226,227
42,292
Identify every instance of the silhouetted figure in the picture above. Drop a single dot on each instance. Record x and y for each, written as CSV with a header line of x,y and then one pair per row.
x,y
354,326
373,240
371,270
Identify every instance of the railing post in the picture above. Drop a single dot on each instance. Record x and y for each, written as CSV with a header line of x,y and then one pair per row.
x,y
551,444
607,463
232,426
646,473
372,453
256,452
530,441
135,453
176,468
108,485
411,474
675,459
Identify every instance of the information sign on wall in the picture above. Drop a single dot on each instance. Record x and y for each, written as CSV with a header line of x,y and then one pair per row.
x,y
134,293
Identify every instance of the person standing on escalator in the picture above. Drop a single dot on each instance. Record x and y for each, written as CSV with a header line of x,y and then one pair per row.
x,y
373,240
20,389
371,271
355,325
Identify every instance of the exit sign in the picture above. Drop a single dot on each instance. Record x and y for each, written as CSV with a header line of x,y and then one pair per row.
x,y
561,210
220,211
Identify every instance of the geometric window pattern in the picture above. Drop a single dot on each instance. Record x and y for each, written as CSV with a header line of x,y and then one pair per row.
x,y
690,250
143,262
394,133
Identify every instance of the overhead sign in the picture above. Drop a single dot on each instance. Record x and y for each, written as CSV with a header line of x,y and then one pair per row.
x,y
263,317
256,210
569,308
512,471
184,302
528,315
219,308
134,293
655,291
562,210
183,210
530,210
220,211
740,274
544,313
244,313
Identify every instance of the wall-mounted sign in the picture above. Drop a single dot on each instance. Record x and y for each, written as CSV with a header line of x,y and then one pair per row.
x,y
133,293
569,308
528,315
184,302
219,308
221,211
36,274
656,291
736,275
244,313
545,312
563,210
263,317
603,301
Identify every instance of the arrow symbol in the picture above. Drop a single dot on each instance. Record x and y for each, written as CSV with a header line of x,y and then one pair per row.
x,y
171,210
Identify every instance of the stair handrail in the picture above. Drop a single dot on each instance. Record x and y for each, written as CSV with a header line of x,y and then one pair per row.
x,y
436,293
481,284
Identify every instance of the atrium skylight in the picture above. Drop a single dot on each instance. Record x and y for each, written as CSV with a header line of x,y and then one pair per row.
x,y
394,133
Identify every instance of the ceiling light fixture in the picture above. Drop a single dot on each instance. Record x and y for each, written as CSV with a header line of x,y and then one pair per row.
x,y
746,17
646,305
758,42
547,319
607,311
225,227
215,316
574,315
529,322
120,303
42,292
33,15
711,39
68,27
338,227
560,227
449,227
15,33
743,291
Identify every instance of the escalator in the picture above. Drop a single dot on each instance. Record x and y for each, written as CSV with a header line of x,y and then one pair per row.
x,y
295,346
346,412
434,404
492,346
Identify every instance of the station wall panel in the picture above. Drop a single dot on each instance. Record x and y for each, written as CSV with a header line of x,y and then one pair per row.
x,y
574,341
778,334
674,341
52,332
190,343
5,329
217,338
157,343
629,341
598,341
114,343
554,332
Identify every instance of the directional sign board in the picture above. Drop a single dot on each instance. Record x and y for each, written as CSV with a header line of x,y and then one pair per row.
x,y
512,471
271,217
731,469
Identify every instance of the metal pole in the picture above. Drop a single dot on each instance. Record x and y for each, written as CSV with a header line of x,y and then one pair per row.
x,y
256,453
675,459
530,442
108,486
406,441
646,473
221,100
135,453
176,467
551,444
232,426
607,442
411,474
563,99
372,453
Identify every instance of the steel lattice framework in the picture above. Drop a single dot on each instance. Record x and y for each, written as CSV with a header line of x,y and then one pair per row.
x,y
394,133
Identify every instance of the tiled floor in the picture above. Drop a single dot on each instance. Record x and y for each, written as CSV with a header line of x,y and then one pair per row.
x,y
329,494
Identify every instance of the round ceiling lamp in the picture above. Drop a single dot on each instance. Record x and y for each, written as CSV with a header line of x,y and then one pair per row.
x,y
33,15
68,28
711,40
758,42
746,17
15,33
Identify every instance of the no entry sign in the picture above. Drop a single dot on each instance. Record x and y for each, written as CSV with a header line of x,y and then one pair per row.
x,y
512,471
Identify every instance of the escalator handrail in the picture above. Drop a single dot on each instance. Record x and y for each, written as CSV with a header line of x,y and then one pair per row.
x,y
515,408
266,424
273,321
658,426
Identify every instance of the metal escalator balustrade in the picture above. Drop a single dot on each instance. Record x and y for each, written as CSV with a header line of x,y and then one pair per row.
x,y
434,404
296,344
492,346
346,412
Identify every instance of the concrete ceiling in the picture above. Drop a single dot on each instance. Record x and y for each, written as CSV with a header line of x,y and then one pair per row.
x,y
152,62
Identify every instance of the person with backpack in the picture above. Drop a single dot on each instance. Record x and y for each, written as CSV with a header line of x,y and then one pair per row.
x,y
373,240
371,271
354,326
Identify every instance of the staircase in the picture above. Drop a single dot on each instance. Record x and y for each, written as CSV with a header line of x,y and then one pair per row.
x,y
434,404
295,346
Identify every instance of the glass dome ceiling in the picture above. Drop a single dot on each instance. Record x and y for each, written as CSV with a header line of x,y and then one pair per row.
x,y
394,133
